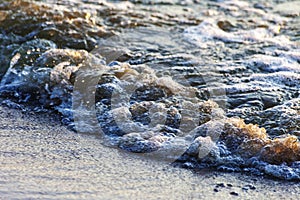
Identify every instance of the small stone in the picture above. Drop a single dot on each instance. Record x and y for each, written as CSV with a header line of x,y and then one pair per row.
x,y
220,185
188,165
229,185
234,193
247,187
216,190
252,187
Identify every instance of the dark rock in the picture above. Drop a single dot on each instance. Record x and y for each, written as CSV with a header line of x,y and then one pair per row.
x,y
221,185
234,193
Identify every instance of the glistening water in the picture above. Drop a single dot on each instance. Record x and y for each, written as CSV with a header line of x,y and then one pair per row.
x,y
202,84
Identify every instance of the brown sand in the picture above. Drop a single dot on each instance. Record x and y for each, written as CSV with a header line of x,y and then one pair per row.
x,y
41,159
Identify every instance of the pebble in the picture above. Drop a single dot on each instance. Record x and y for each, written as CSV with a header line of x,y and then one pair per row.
x,y
234,193
220,185
247,187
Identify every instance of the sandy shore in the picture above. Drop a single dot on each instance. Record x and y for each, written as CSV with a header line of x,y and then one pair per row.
x,y
41,159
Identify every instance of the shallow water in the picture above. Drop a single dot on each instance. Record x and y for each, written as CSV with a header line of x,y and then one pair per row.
x,y
179,81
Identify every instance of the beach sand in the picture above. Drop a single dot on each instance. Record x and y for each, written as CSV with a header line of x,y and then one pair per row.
x,y
41,159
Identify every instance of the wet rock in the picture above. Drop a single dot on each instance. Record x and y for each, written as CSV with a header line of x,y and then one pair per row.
x,y
122,114
148,94
73,29
212,129
53,57
282,150
31,50
226,26
281,119
207,149
282,172
133,142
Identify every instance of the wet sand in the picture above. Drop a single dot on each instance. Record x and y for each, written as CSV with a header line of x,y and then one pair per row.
x,y
41,159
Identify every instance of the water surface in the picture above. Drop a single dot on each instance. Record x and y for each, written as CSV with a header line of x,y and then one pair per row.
x,y
208,84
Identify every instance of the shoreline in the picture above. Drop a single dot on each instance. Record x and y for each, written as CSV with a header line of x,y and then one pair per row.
x,y
40,158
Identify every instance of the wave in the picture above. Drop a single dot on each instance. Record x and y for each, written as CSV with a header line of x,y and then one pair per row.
x,y
237,114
